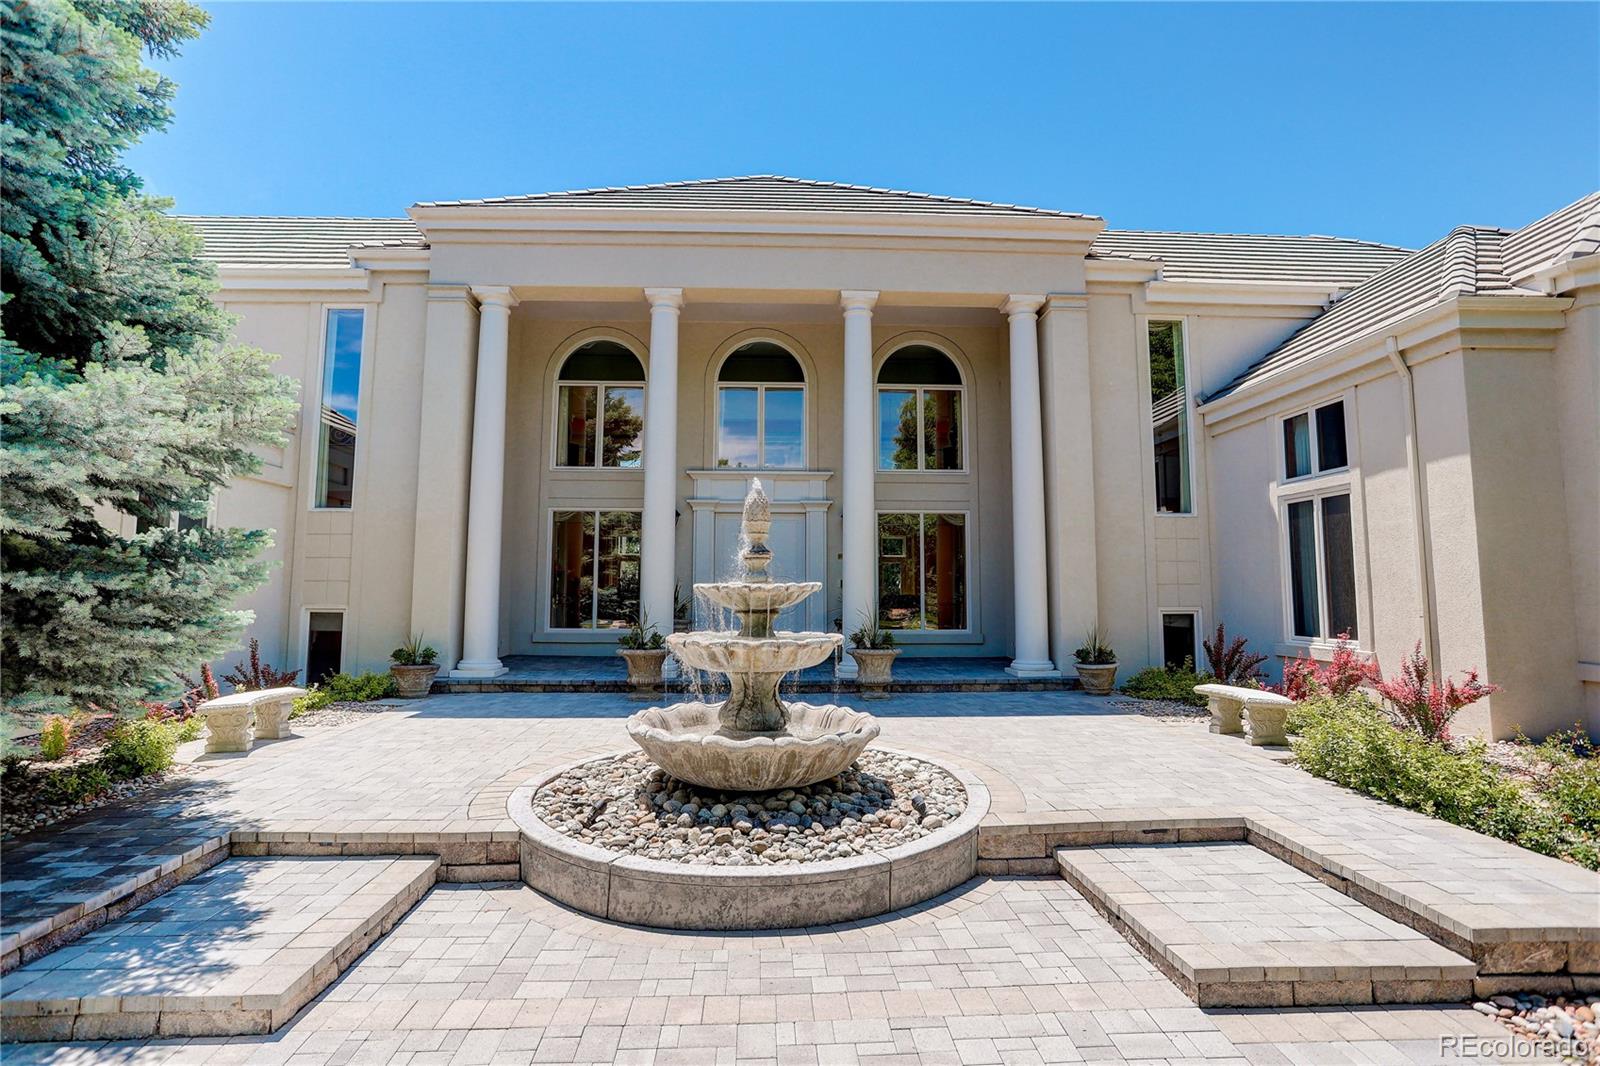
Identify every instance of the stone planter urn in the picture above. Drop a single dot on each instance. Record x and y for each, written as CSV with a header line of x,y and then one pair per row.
x,y
413,682
875,669
644,667
1097,678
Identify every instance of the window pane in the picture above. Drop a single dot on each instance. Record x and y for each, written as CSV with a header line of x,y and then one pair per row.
x,y
944,564
1303,568
899,573
1331,454
736,427
341,394
572,570
785,428
1296,446
624,426
1339,564
1177,639
941,429
617,593
1169,417
897,430
576,415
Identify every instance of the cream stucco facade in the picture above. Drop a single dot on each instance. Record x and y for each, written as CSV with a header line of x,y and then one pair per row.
x,y
1470,426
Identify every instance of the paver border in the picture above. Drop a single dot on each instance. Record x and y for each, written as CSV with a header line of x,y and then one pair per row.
x,y
668,895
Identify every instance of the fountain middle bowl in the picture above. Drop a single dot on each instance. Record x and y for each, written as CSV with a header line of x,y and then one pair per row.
x,y
730,653
770,596
687,741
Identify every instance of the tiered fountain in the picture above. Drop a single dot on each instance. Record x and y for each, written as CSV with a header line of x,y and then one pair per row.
x,y
753,741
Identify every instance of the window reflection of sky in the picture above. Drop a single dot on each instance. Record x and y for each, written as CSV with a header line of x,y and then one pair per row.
x,y
341,374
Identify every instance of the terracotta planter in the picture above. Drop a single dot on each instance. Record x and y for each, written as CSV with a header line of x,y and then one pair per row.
x,y
1097,678
874,670
644,666
413,682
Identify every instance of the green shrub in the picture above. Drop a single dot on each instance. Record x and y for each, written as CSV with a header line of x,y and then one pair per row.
x,y
1350,742
358,688
1174,683
138,747
190,728
75,784
315,699
54,737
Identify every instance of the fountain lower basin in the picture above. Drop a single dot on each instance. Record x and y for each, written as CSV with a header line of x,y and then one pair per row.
x,y
689,741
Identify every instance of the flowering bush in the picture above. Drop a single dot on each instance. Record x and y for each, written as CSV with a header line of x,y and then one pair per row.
x,y
1229,663
1420,702
1305,678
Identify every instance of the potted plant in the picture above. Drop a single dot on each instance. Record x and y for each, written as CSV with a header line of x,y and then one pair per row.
x,y
874,652
413,668
1097,664
644,649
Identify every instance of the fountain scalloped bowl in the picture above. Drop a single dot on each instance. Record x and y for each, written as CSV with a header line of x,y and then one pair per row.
x,y
726,653
687,742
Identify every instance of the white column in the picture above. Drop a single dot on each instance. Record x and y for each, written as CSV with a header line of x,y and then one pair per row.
x,y
857,495
658,550
1031,636
480,650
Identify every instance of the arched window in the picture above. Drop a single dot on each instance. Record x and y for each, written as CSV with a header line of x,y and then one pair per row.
x,y
600,407
920,399
761,408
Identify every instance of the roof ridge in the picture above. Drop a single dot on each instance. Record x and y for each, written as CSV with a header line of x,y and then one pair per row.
x,y
1281,236
1585,237
299,218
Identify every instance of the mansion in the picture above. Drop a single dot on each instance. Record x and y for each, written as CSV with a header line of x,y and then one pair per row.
x,y
528,421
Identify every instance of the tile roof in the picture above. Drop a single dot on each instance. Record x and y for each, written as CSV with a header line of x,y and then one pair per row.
x,y
1469,261
1333,261
260,241
761,192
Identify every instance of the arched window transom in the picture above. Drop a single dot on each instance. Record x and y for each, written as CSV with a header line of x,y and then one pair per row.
x,y
600,407
920,404
761,408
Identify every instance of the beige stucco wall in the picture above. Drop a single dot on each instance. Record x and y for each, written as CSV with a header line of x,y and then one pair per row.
x,y
1576,370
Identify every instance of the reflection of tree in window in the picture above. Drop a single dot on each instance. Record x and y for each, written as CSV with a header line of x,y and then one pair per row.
x,y
919,411
624,427
1169,417
922,571
609,404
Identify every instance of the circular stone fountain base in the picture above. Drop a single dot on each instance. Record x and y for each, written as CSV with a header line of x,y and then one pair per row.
x,y
640,865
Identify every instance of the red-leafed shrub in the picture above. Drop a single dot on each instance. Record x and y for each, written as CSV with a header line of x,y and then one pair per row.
x,y
1305,678
255,674
1228,661
1423,703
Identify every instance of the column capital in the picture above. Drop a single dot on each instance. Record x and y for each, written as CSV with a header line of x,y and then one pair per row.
x,y
495,296
1021,305
672,298
857,299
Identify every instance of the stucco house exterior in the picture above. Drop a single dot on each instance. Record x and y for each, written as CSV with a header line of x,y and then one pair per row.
x,y
989,427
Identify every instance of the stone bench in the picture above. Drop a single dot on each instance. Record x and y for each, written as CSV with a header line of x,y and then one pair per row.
x,y
1233,707
239,719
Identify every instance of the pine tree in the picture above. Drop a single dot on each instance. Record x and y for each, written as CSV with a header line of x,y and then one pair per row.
x,y
120,393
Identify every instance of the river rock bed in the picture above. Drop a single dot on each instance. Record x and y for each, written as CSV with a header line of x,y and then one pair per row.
x,y
626,804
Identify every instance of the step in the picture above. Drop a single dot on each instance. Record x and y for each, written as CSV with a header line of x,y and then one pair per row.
x,y
1235,927
236,950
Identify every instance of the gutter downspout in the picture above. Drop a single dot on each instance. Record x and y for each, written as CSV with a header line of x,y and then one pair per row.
x,y
1419,510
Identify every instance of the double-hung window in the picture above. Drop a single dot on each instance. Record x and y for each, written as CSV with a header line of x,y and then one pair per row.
x,y
1169,417
600,407
1319,538
339,407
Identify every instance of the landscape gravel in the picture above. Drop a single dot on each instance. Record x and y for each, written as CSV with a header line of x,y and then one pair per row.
x,y
1570,1025
627,804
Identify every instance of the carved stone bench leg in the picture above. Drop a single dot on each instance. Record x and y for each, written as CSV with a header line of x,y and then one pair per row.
x,y
1266,723
1225,714
229,729
272,719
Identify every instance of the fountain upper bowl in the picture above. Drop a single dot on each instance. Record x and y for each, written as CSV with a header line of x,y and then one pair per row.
x,y
770,597
730,653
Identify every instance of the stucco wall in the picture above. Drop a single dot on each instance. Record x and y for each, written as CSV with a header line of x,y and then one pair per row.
x,y
1576,365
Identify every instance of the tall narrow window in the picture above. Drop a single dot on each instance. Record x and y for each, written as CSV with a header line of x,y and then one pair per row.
x,y
594,569
922,571
324,645
761,408
919,411
600,407
1322,572
1169,417
341,396
1314,441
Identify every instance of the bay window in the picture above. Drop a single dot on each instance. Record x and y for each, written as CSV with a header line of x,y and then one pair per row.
x,y
594,569
922,571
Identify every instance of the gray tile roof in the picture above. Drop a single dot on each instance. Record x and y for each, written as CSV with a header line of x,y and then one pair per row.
x,y
761,192
1333,261
1470,261
260,241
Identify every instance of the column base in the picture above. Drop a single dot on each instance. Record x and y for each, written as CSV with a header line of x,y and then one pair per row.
x,y
1042,668
485,668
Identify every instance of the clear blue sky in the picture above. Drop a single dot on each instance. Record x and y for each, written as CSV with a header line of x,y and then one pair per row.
x,y
1389,122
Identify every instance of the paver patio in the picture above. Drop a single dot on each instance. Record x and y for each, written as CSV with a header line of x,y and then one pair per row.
x,y
1022,956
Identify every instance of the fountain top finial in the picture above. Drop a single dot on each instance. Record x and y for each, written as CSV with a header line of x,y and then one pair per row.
x,y
756,524
757,508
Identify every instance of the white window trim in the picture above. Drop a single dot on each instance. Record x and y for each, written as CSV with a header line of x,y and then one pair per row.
x,y
1189,420
361,404
929,635
594,631
558,431
922,455
1314,494
306,611
761,388
1316,452
1199,630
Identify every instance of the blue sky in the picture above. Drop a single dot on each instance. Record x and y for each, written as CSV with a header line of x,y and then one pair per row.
x,y
1389,122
